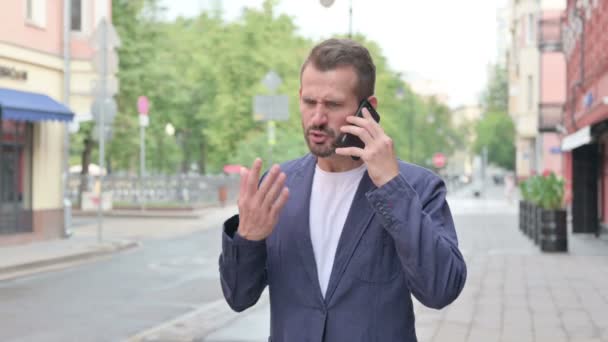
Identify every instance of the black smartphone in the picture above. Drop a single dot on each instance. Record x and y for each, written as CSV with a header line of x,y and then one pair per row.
x,y
350,140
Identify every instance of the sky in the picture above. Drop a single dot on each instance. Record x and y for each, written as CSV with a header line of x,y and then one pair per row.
x,y
449,43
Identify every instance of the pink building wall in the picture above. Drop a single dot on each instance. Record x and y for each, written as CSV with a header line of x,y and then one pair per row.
x,y
553,80
552,157
16,30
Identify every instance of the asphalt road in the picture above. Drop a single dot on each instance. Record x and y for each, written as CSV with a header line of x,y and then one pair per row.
x,y
114,298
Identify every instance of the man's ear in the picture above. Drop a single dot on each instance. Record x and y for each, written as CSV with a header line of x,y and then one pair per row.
x,y
373,100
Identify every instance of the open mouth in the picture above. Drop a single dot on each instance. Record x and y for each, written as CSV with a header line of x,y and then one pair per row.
x,y
317,137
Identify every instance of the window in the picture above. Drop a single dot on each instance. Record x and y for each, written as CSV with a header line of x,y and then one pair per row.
x,y
531,29
29,12
530,93
76,20
35,12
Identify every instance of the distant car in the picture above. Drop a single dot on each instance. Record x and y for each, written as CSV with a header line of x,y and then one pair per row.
x,y
498,179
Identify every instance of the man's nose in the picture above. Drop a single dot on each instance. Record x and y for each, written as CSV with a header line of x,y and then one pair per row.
x,y
319,116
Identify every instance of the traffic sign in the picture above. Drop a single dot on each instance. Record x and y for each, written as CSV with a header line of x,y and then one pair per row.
x,y
143,105
109,110
144,120
272,81
271,107
112,87
111,36
111,60
439,160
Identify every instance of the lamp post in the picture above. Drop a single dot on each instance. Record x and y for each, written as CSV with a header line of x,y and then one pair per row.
x,y
328,3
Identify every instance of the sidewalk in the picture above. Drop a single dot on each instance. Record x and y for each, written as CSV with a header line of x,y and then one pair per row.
x,y
514,292
119,234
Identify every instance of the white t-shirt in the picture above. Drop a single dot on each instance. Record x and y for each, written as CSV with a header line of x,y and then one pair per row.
x,y
330,201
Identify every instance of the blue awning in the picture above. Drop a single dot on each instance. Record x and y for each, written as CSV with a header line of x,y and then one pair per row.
x,y
26,106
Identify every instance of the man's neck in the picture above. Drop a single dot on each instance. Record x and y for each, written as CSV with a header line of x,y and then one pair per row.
x,y
338,163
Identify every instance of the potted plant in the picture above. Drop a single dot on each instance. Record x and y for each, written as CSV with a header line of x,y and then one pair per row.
x,y
552,229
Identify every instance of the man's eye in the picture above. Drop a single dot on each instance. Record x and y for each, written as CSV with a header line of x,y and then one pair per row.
x,y
333,104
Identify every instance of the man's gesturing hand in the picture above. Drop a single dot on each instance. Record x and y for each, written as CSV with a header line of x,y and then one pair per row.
x,y
259,207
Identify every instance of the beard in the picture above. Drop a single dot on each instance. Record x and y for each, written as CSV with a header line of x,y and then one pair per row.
x,y
328,148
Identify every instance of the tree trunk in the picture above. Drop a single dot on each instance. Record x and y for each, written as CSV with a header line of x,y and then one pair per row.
x,y
86,160
202,162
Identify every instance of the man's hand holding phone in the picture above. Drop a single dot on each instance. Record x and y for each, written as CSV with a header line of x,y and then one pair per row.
x,y
378,153
259,207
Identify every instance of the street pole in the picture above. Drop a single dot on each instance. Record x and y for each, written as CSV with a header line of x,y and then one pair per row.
x,y
102,133
271,139
484,165
67,205
411,129
142,165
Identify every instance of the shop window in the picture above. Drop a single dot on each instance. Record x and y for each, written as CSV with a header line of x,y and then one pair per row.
x,y
15,177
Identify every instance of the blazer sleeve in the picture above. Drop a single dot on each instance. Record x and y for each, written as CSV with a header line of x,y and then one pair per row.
x,y
425,238
242,267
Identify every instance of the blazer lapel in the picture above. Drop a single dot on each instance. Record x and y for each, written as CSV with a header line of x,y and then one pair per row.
x,y
300,188
357,221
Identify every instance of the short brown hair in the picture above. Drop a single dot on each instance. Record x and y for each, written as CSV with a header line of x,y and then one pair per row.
x,y
334,53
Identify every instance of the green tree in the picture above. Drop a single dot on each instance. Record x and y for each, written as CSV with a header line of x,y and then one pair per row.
x,y
496,131
201,75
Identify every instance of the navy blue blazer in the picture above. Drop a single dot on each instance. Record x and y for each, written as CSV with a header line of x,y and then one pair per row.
x,y
397,240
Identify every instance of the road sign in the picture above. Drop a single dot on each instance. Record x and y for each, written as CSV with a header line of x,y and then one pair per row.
x,y
108,132
112,87
144,120
109,113
439,160
271,107
111,58
143,105
272,81
111,36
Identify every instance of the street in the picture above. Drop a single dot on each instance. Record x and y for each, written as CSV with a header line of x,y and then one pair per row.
x,y
113,298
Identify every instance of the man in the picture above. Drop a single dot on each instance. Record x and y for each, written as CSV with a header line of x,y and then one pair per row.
x,y
341,243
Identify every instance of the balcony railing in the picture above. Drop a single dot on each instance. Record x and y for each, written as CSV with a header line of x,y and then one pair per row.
x,y
550,35
550,116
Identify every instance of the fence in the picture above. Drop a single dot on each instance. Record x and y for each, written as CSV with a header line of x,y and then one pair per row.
x,y
160,190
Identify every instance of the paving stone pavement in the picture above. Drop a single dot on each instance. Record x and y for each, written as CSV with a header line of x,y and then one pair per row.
x,y
513,291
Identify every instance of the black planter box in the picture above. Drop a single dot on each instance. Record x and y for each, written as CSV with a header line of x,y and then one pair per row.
x,y
553,230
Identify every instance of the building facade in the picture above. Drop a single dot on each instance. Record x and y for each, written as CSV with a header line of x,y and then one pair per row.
x,y
585,113
35,107
536,85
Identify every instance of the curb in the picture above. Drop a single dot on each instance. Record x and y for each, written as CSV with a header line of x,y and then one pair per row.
x,y
195,213
193,326
66,259
140,214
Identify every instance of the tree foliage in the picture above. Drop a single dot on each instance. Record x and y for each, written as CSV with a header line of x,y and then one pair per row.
x,y
201,75
496,130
